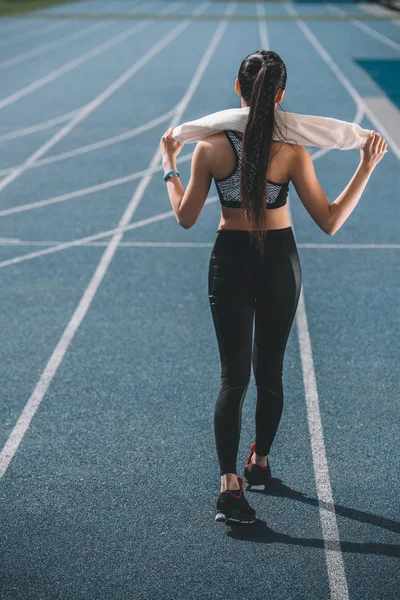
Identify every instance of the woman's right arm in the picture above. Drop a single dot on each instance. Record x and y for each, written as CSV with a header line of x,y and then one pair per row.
x,y
330,217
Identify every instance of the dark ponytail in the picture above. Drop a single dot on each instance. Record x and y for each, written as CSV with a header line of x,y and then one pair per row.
x,y
261,75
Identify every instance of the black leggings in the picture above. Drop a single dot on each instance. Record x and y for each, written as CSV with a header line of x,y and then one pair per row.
x,y
241,286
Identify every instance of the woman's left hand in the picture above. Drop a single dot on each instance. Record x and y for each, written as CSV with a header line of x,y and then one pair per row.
x,y
170,148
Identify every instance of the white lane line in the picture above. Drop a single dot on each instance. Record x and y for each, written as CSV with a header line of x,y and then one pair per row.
x,y
334,558
381,11
106,185
113,182
327,514
262,26
388,114
124,136
368,30
330,531
209,245
353,246
51,45
17,242
323,53
58,246
89,190
38,127
77,62
43,48
18,432
97,145
94,104
343,80
32,33
97,236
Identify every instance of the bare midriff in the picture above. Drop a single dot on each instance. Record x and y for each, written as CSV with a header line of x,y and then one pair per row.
x,y
233,218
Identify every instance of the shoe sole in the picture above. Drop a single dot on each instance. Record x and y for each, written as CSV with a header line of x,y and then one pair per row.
x,y
261,487
248,485
220,516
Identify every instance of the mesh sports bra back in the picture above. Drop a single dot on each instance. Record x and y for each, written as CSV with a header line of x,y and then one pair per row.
x,y
228,187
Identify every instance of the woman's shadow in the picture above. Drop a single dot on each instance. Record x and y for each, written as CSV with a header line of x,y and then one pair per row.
x,y
260,532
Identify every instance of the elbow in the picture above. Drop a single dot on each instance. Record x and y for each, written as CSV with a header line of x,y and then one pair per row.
x,y
181,222
185,225
328,225
331,229
326,228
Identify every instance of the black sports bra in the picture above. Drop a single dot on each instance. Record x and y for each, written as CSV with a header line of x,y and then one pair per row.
x,y
228,187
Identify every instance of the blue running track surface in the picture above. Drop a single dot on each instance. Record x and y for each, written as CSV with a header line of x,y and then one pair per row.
x,y
109,362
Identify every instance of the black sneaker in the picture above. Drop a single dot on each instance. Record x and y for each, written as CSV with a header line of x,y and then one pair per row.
x,y
232,506
255,476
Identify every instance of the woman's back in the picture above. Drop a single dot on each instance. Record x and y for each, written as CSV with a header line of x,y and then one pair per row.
x,y
223,160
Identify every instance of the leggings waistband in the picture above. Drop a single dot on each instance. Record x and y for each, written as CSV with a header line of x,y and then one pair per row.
x,y
247,232
237,243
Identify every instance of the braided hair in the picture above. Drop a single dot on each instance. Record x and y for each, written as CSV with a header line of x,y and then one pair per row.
x,y
261,75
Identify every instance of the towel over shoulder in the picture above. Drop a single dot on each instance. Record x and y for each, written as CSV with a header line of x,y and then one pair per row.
x,y
293,128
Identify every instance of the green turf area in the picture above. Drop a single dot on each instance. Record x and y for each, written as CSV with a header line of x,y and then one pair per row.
x,y
8,8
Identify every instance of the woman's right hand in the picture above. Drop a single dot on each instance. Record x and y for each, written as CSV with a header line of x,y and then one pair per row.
x,y
373,151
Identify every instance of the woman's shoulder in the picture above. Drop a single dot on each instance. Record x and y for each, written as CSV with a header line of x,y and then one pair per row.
x,y
290,158
295,153
215,137
289,146
214,141
298,151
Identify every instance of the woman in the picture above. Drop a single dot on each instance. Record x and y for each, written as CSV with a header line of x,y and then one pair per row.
x,y
254,268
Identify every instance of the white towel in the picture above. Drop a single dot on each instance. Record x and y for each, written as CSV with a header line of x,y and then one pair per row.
x,y
307,130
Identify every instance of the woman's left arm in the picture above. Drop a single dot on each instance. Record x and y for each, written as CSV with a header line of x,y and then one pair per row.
x,y
187,204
